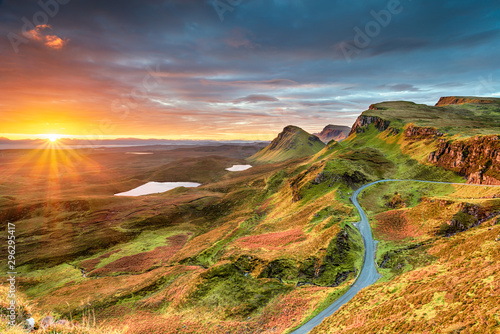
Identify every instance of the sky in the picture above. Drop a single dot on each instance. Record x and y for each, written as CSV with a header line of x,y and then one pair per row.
x,y
233,69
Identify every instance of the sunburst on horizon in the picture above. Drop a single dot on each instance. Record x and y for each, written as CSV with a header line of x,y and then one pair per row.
x,y
52,137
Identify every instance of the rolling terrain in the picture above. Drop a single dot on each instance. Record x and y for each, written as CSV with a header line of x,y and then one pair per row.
x,y
267,249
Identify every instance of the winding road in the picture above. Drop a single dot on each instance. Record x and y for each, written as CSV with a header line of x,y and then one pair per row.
x,y
369,273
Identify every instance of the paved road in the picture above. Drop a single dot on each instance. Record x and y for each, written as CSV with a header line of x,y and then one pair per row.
x,y
369,273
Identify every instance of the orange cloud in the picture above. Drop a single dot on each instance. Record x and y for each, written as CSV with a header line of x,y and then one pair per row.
x,y
52,41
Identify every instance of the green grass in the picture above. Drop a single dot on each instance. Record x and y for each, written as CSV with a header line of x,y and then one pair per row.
x,y
229,289
213,254
312,191
464,120
344,254
144,242
400,258
43,281
274,182
232,293
376,198
332,214
405,167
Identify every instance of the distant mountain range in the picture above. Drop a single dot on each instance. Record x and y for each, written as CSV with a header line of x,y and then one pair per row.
x,y
6,143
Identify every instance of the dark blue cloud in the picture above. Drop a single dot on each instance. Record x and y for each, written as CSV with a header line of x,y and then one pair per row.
x,y
287,54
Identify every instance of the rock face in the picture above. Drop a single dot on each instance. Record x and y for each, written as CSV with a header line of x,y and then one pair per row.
x,y
447,100
333,132
416,132
477,158
468,216
363,121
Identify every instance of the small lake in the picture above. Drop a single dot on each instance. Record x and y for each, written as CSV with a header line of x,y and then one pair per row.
x,y
157,187
239,168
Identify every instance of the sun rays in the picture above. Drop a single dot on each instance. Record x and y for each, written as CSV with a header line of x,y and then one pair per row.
x,y
52,137
53,168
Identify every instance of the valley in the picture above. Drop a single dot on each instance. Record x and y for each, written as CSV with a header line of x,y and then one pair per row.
x,y
266,249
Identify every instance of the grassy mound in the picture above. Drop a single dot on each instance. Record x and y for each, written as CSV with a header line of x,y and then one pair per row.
x,y
292,143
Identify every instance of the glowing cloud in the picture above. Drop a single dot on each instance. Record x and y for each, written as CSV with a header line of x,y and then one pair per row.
x,y
52,41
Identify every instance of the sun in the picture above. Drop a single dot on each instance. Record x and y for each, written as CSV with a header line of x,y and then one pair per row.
x,y
52,137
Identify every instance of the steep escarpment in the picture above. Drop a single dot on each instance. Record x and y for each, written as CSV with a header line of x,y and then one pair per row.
x,y
430,133
364,121
477,158
333,132
292,142
448,100
480,115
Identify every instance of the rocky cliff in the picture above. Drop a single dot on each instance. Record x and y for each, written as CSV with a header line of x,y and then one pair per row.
x,y
417,132
447,100
363,121
477,158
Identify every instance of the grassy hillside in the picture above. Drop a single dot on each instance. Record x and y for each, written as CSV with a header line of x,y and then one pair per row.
x,y
459,137
291,143
439,257
465,120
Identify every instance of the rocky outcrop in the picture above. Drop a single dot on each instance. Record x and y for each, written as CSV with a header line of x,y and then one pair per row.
x,y
351,178
375,107
333,132
468,216
477,158
416,132
447,100
363,122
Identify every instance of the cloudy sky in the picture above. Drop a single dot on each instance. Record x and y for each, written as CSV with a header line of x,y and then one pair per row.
x,y
228,69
